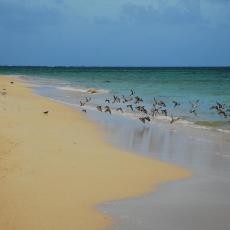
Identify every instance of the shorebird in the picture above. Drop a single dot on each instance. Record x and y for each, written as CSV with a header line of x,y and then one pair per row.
x,y
194,107
144,119
120,109
99,108
107,100
46,112
154,111
138,108
174,119
143,110
11,82
176,103
160,103
130,106
116,99
221,106
214,107
222,112
107,109
124,99
193,111
164,111
131,93
88,99
138,100
82,103
220,109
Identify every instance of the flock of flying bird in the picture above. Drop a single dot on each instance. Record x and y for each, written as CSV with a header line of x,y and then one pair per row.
x,y
134,103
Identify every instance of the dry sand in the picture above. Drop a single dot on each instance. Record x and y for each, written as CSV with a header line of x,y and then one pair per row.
x,y
55,168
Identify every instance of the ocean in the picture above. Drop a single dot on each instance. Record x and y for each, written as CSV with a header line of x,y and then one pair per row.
x,y
202,87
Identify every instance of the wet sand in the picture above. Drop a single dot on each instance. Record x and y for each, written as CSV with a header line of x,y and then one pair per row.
x,y
200,202
56,167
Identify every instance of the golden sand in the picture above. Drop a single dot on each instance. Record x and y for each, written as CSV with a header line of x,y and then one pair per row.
x,y
56,167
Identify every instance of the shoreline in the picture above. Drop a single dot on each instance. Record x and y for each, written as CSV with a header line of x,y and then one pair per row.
x,y
64,91
52,178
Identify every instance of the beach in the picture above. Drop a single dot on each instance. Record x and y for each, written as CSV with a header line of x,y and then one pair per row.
x,y
55,168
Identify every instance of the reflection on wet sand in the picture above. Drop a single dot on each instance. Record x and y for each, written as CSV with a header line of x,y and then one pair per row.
x,y
194,148
201,202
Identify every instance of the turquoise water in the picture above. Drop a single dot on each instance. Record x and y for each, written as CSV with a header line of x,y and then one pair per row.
x,y
208,85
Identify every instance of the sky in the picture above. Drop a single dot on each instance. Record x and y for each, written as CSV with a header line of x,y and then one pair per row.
x,y
115,32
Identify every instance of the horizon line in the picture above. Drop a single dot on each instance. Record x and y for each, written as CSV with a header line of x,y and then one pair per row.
x,y
92,66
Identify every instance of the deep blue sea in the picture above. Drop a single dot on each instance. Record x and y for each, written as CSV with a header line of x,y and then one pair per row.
x,y
184,85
